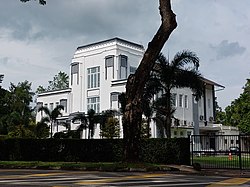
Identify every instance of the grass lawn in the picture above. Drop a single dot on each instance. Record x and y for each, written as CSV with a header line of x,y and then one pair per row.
x,y
222,161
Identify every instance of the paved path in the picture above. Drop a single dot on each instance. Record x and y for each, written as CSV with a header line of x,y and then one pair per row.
x,y
20,178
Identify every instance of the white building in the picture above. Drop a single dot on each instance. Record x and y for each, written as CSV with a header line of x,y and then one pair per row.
x,y
98,74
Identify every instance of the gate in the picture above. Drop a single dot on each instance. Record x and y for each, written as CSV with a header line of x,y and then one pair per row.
x,y
221,151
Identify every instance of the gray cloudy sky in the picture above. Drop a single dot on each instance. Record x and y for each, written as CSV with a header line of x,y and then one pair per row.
x,y
36,42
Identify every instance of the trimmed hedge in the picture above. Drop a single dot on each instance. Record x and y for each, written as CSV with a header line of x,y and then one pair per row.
x,y
167,151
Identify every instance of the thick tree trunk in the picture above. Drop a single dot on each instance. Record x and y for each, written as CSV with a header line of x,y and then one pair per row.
x,y
135,84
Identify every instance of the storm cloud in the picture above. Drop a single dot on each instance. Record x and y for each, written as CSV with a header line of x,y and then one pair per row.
x,y
228,49
39,41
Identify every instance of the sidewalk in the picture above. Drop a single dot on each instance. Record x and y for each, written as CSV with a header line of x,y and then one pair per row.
x,y
220,172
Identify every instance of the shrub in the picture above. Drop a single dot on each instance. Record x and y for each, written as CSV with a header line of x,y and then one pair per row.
x,y
168,151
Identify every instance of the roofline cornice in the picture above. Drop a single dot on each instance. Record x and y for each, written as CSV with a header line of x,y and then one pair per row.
x,y
116,39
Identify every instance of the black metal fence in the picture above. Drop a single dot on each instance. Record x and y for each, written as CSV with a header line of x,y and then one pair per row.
x,y
221,151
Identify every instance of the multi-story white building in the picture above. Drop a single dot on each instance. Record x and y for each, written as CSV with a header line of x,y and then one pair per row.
x,y
98,74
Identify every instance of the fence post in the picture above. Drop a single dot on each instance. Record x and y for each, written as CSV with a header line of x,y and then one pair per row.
x,y
191,140
240,160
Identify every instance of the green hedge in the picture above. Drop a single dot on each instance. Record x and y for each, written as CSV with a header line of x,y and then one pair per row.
x,y
173,151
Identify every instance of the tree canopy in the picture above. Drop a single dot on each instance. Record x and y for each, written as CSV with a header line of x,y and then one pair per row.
x,y
238,113
16,115
59,82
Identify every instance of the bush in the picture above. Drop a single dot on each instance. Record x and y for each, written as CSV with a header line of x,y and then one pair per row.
x,y
173,151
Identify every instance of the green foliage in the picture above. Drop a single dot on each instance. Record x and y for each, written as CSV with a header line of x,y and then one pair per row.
x,y
87,121
238,113
111,129
42,128
181,72
21,132
168,151
59,82
16,117
51,115
220,116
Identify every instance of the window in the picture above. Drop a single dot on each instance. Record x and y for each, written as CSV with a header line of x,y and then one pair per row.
x,y
114,100
75,70
132,70
93,77
209,103
186,101
109,63
180,100
174,99
225,141
175,133
181,133
57,103
46,105
114,96
93,103
51,106
63,102
123,66
232,141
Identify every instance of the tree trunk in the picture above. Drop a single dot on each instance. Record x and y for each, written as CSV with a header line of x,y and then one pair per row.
x,y
136,83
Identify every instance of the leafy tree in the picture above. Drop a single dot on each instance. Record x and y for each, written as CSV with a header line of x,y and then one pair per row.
x,y
21,132
238,113
20,118
181,72
5,110
59,82
111,129
220,116
15,111
51,115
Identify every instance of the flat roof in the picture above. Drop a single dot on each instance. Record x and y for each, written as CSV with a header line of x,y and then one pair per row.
x,y
212,82
116,39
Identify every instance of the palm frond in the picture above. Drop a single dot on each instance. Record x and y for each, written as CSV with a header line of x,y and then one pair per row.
x,y
185,58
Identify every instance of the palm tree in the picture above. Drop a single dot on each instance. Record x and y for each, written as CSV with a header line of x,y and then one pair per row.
x,y
152,87
52,115
42,128
93,119
181,72
87,121
83,122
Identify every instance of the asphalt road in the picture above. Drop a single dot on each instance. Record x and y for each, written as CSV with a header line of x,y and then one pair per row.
x,y
59,178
